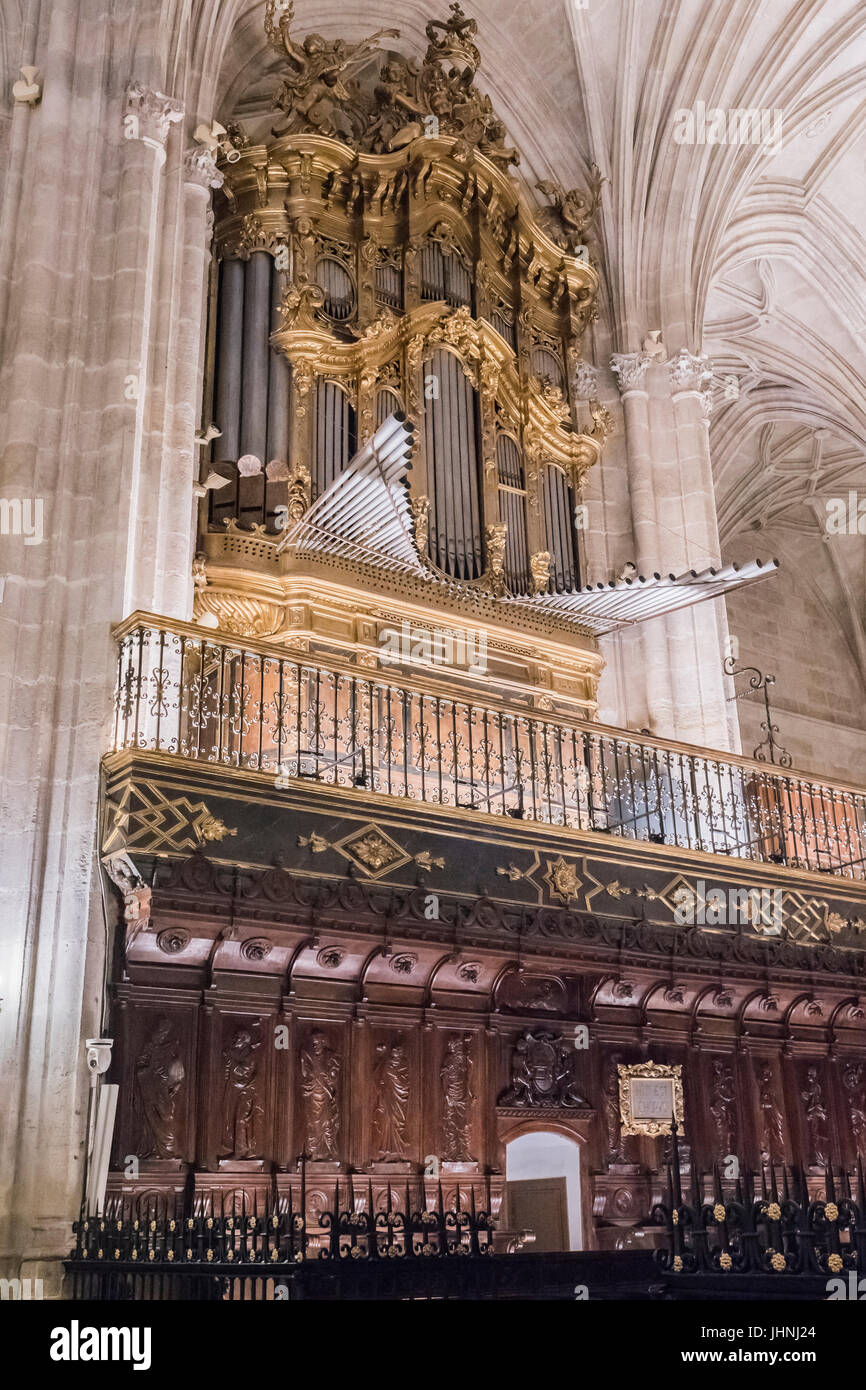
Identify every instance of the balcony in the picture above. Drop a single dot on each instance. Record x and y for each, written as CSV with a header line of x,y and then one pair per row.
x,y
202,699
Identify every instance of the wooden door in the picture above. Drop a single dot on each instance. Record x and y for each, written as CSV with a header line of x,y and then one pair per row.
x,y
539,1205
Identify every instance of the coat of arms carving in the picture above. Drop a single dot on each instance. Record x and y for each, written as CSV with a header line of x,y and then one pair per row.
x,y
541,1073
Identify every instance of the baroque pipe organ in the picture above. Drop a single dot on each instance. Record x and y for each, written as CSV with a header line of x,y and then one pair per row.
x,y
308,960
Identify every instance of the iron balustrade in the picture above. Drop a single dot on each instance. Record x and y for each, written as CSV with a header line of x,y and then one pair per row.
x,y
207,699
763,1224
264,1244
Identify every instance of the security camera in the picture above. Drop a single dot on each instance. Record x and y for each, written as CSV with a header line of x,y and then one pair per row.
x,y
98,1055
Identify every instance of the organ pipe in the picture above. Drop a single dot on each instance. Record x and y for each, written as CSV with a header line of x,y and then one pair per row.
x,y
279,383
230,329
559,529
256,353
451,435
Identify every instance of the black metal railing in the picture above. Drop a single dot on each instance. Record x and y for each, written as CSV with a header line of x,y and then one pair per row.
x,y
240,1245
214,701
763,1224
265,1246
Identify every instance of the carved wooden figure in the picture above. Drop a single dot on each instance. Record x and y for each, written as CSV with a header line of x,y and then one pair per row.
x,y
390,1115
723,1108
772,1136
159,1075
241,1109
320,1076
456,1099
816,1119
855,1095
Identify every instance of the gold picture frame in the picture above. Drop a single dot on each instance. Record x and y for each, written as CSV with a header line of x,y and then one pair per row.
x,y
649,1094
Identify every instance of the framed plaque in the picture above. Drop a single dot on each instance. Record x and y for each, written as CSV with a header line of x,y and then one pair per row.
x,y
650,1095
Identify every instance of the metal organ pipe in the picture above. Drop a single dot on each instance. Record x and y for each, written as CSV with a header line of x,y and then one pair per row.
x,y
559,529
230,332
256,352
334,435
279,383
451,436
512,510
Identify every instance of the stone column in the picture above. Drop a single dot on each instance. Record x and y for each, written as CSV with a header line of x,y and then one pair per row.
x,y
147,119
182,329
630,370
699,634
674,520
80,267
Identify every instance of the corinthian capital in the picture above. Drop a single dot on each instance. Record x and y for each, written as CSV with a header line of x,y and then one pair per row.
x,y
629,368
689,373
200,168
148,115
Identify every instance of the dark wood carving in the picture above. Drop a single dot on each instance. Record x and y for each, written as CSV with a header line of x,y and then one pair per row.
x,y
541,1073
390,1114
159,1076
363,1078
532,993
320,1081
817,1120
854,1084
241,1108
457,1097
723,1108
619,1148
772,1134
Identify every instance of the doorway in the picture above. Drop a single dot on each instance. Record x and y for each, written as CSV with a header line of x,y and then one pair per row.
x,y
542,1190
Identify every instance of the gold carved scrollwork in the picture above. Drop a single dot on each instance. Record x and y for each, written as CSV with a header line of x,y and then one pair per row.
x,y
420,514
242,617
299,304
495,537
539,564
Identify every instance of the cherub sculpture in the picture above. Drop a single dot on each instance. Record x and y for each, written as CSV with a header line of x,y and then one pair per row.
x,y
572,210
321,72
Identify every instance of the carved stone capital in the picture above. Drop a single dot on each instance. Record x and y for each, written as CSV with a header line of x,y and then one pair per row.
x,y
585,380
148,115
200,168
689,372
707,404
630,368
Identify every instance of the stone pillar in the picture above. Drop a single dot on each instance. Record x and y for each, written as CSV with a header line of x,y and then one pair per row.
x,y
699,634
147,119
674,522
630,370
183,310
80,263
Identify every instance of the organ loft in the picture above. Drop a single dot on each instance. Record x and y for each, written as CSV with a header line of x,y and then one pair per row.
x,y
396,913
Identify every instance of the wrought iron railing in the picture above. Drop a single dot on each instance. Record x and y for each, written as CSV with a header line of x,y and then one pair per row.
x,y
263,1244
239,1244
768,1224
236,704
